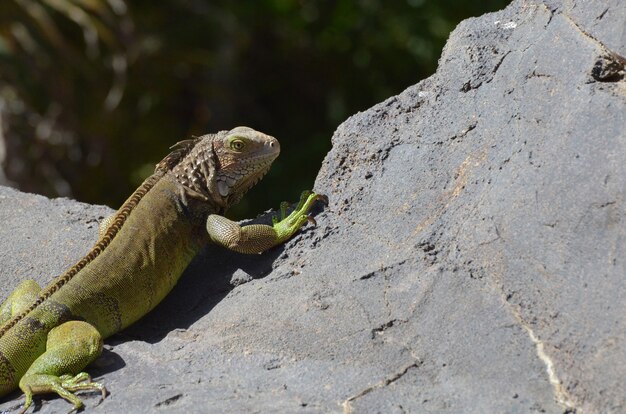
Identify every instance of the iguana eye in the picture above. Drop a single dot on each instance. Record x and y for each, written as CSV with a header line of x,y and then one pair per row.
x,y
237,144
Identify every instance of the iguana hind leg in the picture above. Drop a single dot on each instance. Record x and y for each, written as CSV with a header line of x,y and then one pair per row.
x,y
22,296
70,347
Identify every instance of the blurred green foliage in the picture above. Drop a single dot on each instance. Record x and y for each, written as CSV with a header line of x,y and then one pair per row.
x,y
93,92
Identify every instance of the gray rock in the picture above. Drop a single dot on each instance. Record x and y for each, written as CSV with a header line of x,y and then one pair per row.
x,y
471,258
240,277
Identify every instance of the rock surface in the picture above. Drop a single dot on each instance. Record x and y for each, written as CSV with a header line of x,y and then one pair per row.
x,y
471,259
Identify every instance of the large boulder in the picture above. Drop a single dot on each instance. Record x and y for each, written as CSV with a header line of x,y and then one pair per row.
x,y
471,258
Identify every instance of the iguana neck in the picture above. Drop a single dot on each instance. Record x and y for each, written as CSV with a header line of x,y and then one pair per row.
x,y
196,170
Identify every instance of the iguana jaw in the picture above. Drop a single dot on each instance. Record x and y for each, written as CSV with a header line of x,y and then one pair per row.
x,y
228,186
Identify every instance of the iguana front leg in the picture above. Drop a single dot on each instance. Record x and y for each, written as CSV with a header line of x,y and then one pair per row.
x,y
70,347
257,238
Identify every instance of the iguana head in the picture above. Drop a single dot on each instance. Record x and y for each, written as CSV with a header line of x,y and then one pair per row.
x,y
223,166
244,156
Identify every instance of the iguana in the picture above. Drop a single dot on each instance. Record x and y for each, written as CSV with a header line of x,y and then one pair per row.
x,y
48,336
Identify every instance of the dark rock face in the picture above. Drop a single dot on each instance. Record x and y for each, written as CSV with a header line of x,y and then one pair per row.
x,y
471,259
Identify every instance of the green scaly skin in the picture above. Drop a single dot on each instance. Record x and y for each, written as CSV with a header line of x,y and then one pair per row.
x,y
48,336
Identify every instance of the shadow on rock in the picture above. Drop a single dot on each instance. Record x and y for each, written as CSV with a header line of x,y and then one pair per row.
x,y
108,362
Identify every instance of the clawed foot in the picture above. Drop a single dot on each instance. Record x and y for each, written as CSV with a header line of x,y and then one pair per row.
x,y
64,386
82,382
287,225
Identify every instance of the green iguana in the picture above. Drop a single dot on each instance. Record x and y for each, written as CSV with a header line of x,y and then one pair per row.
x,y
48,336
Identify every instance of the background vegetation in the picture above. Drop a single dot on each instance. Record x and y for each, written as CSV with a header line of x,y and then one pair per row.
x,y
93,92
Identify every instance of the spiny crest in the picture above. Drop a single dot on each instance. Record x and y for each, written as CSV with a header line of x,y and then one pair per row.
x,y
180,150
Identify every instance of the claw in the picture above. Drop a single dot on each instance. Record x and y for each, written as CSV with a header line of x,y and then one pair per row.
x,y
75,410
322,198
102,396
103,391
311,220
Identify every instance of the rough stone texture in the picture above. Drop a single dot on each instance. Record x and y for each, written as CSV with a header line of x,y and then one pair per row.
x,y
471,259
